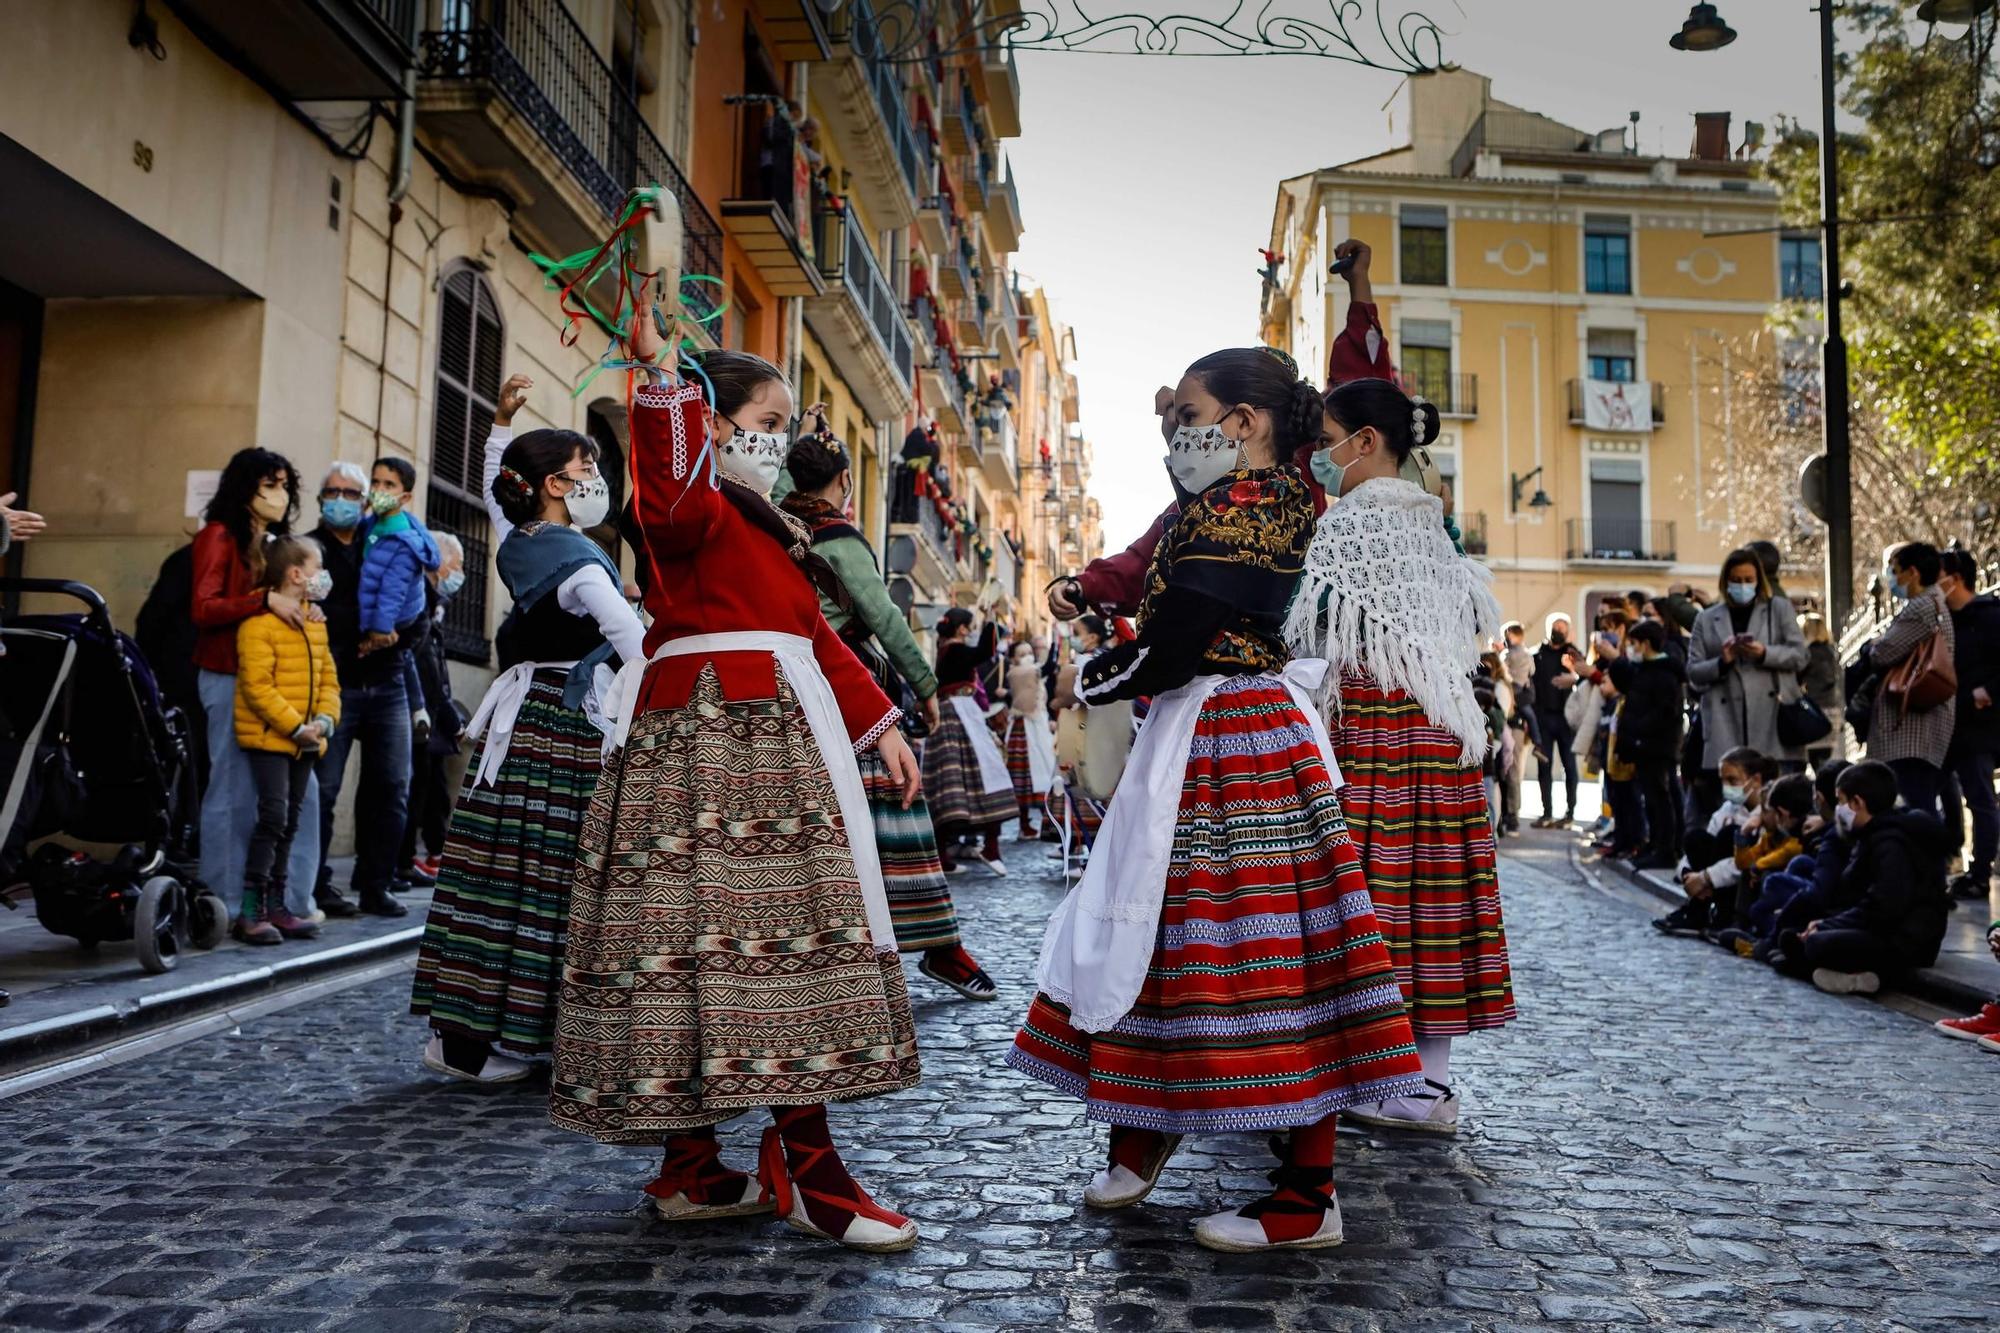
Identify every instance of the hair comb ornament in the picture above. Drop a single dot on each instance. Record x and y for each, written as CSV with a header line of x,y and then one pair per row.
x,y
1417,401
1281,356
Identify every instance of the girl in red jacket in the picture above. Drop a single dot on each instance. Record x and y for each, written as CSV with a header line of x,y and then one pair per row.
x,y
730,944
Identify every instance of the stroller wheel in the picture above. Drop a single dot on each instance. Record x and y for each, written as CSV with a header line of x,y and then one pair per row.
x,y
208,920
160,924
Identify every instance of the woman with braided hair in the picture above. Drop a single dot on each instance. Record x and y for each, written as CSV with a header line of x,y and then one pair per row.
x,y
1218,969
919,896
731,946
1402,616
491,959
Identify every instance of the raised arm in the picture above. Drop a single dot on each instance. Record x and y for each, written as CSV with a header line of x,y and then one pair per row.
x,y
513,394
1116,582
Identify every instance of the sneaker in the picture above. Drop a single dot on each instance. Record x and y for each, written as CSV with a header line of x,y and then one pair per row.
x,y
1432,1111
1737,939
1691,918
1969,888
414,873
1985,1023
1846,983
316,916
431,864
1989,1043
497,1069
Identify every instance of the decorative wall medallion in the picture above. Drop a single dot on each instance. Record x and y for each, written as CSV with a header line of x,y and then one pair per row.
x,y
1516,257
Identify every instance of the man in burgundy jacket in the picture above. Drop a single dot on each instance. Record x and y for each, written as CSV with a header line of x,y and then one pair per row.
x,y
1114,583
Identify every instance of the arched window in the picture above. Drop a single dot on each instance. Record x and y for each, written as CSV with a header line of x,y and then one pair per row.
x,y
470,347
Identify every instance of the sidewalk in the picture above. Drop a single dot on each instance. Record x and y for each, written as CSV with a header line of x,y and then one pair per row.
x,y
65,998
1964,977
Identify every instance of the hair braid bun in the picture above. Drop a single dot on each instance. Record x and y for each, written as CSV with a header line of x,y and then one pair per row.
x,y
1303,416
1425,423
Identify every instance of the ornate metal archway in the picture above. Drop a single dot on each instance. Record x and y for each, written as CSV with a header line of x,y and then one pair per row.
x,y
1362,32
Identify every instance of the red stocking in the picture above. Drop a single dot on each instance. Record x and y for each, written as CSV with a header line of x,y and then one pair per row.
x,y
1136,1149
1304,1184
832,1198
693,1166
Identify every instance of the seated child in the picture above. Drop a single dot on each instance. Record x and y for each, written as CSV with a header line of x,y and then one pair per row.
x,y
1809,885
1778,825
1895,879
1709,873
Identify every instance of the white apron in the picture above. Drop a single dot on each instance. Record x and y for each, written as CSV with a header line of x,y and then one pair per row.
x,y
1101,939
1041,748
993,774
793,654
502,707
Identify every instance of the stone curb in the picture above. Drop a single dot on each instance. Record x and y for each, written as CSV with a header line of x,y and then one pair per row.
x,y
1928,984
30,1044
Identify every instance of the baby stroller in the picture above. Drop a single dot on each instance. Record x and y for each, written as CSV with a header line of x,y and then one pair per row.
x,y
96,770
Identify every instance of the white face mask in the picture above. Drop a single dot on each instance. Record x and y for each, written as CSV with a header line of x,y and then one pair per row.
x,y
754,457
588,502
1200,456
1843,819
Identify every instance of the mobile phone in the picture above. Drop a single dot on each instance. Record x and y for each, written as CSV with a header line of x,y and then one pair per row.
x,y
1341,265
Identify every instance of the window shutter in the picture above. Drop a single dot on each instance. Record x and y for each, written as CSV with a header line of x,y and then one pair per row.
x,y
471,351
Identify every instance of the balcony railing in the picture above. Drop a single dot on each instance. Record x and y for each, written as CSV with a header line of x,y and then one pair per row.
x,y
536,57
1472,533
1579,417
857,27
844,257
907,506
1522,131
1454,394
976,182
1620,539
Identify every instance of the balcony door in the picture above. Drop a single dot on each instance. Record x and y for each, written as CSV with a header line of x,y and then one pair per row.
x,y
1617,507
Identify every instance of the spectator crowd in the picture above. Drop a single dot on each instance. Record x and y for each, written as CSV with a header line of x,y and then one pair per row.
x,y
1710,723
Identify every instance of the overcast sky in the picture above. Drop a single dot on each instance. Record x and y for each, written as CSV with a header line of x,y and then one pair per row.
x,y
1147,183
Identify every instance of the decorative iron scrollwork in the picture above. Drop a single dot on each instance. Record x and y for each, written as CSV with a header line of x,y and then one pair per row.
x,y
1362,32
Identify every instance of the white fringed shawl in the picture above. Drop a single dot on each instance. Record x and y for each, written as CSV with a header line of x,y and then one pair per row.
x,y
1386,592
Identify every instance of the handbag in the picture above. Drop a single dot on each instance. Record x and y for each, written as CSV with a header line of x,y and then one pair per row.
x,y
1924,680
1801,722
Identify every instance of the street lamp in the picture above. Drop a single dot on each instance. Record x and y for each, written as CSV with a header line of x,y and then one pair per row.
x,y
1952,11
1704,30
1520,482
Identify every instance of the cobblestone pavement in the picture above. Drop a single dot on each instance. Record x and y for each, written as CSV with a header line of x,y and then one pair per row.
x,y
1669,1138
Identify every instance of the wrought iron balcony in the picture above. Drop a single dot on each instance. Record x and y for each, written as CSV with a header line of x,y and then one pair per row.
x,y
868,117
312,50
858,319
997,448
771,213
1003,214
520,90
1615,414
1620,541
912,514
1472,532
1455,395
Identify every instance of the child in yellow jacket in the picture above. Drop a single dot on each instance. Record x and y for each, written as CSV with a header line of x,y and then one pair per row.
x,y
287,702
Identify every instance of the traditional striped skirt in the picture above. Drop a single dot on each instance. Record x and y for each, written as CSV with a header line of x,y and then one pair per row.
x,y
1421,822
919,899
1270,1000
493,944
952,785
719,955
1026,798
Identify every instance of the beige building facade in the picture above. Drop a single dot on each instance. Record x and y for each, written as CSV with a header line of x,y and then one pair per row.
x,y
1572,307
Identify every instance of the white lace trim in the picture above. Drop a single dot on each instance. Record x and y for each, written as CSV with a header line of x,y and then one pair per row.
x,y
1095,693
876,732
1385,592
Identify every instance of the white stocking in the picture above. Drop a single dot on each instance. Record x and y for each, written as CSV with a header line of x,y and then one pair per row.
x,y
1435,1053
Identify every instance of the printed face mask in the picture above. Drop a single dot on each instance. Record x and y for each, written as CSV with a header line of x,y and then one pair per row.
x,y
1200,456
588,502
754,457
384,502
320,586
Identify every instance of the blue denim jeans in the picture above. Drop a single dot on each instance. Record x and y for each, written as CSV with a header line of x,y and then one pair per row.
x,y
229,807
378,717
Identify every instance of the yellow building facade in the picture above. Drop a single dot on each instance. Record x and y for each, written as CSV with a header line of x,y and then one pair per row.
x,y
1573,309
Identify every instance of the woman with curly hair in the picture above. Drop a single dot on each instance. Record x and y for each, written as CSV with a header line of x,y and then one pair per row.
x,y
1218,969
491,959
256,499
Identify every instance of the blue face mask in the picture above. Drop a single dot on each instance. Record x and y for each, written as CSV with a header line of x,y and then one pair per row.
x,y
451,583
340,514
1743,593
1328,473
1734,794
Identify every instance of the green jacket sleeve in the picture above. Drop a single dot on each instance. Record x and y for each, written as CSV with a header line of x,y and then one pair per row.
x,y
850,559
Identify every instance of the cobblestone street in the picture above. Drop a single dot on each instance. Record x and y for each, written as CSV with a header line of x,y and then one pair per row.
x,y
1668,1138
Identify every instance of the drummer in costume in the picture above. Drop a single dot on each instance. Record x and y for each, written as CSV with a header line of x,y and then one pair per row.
x,y
1401,616
730,937
1219,969
965,775
1031,746
919,898
1082,811
491,958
